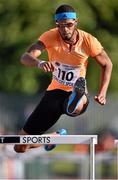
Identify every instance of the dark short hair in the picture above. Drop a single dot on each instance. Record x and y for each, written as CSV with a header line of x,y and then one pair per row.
x,y
64,8
65,12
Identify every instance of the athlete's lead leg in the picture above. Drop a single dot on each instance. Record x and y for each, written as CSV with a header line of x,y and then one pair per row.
x,y
78,99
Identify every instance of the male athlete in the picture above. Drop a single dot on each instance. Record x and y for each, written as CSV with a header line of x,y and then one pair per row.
x,y
68,50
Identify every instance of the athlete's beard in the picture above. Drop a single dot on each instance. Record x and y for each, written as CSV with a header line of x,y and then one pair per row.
x,y
69,39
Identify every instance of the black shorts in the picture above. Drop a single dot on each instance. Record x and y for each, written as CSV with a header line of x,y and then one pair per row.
x,y
47,112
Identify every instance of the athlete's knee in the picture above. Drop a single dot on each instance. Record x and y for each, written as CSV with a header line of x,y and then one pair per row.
x,y
78,108
20,148
70,112
85,105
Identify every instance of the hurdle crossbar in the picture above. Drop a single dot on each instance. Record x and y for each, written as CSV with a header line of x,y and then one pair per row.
x,y
116,144
56,139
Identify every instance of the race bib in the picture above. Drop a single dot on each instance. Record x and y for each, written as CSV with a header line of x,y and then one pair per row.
x,y
65,74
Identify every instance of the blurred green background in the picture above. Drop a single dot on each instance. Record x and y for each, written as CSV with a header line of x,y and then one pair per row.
x,y
23,21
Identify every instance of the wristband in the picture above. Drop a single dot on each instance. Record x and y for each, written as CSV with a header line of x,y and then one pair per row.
x,y
39,63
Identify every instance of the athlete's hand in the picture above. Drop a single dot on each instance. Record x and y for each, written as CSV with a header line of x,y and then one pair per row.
x,y
46,66
101,99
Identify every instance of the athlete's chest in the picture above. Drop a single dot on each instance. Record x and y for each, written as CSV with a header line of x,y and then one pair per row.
x,y
65,74
76,54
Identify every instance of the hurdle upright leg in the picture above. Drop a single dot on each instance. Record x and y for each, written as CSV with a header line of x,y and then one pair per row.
x,y
51,139
116,143
92,158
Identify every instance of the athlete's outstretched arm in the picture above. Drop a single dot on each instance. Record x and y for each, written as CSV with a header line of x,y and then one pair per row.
x,y
30,57
106,65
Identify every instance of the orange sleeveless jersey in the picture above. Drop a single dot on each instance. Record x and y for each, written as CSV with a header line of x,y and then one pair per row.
x,y
69,65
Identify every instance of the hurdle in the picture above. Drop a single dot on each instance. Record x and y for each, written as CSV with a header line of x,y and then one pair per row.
x,y
91,140
116,144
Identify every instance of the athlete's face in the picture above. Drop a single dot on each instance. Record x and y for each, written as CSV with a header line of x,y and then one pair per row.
x,y
66,28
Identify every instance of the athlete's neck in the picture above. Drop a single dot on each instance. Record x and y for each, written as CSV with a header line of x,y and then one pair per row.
x,y
74,38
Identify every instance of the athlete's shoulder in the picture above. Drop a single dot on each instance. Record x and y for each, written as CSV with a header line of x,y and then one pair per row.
x,y
87,38
85,34
50,33
91,43
49,38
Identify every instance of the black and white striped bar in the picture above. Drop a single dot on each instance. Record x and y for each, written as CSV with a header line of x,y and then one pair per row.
x,y
48,139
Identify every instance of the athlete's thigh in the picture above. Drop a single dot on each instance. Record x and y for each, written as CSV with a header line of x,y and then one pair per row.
x,y
46,113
